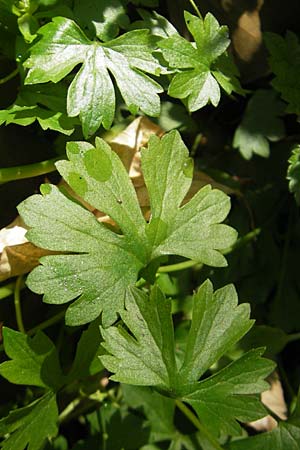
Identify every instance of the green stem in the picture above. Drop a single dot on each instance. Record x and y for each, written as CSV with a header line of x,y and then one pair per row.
x,y
242,241
179,266
196,9
195,421
284,260
7,290
47,323
69,409
293,337
27,171
17,301
9,76
190,263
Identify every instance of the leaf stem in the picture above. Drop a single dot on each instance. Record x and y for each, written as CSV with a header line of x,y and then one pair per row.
x,y
7,290
27,171
243,240
196,9
69,408
191,263
293,337
179,266
10,76
195,421
284,259
17,301
47,323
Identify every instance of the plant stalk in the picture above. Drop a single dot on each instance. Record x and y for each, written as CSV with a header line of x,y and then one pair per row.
x,y
10,76
27,171
17,301
195,421
196,9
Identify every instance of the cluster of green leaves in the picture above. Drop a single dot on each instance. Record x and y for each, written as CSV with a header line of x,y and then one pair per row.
x,y
35,362
62,44
79,64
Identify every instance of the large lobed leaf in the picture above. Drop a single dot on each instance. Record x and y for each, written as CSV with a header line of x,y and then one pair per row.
x,y
201,66
98,264
30,427
91,94
145,356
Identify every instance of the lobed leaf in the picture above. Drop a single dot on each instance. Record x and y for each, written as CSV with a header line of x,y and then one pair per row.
x,y
145,355
63,46
200,66
99,264
34,361
261,123
30,427
285,64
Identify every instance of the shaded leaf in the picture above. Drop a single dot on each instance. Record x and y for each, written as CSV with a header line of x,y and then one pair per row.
x,y
34,361
261,123
146,357
285,64
158,409
30,427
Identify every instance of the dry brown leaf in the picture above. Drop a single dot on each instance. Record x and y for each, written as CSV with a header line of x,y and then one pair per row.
x,y
18,256
273,399
13,234
20,259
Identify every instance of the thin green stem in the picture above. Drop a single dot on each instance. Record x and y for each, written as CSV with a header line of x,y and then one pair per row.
x,y
17,301
293,337
179,266
284,260
7,290
195,421
10,76
242,241
27,171
69,409
47,323
196,9
190,263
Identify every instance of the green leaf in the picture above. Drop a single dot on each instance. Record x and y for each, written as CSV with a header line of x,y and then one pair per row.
x,y
32,426
121,428
286,436
200,66
86,361
46,104
34,361
260,124
146,355
99,264
285,64
102,19
293,173
158,409
157,24
63,46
